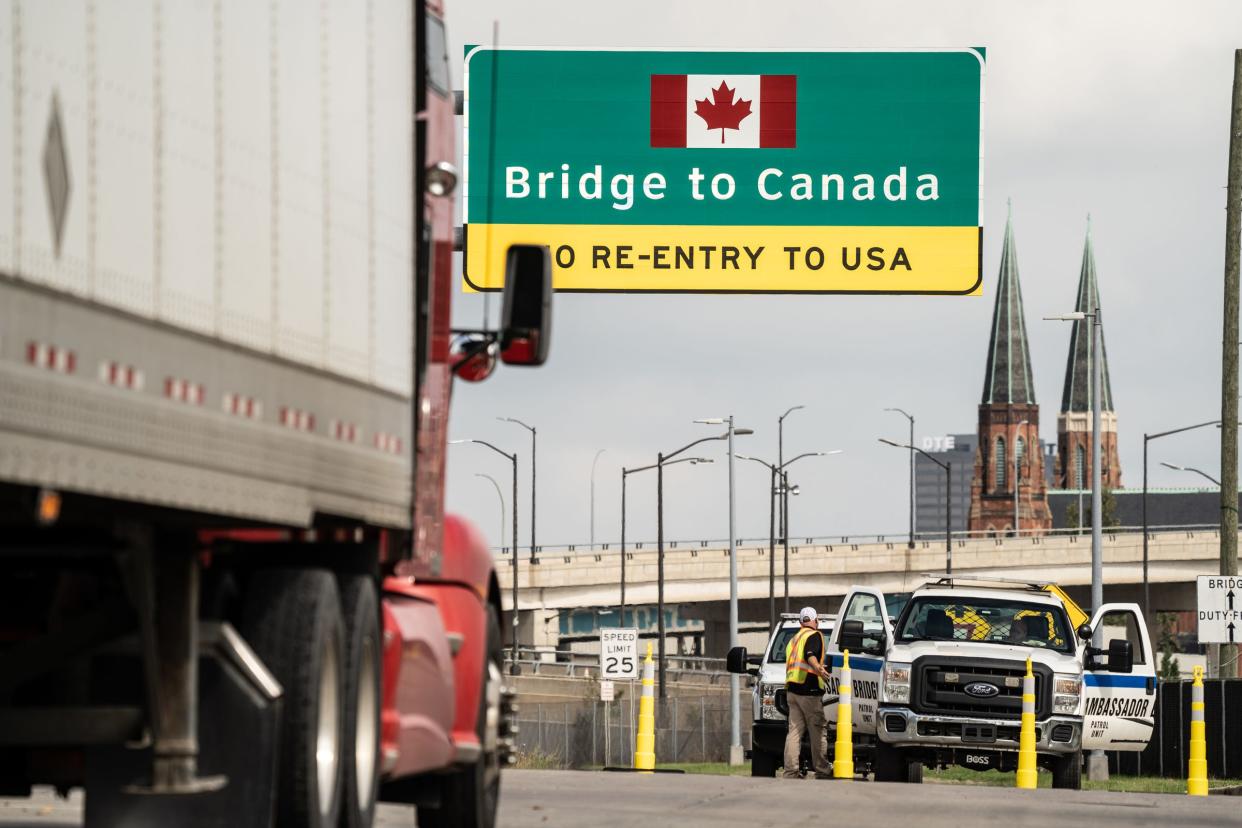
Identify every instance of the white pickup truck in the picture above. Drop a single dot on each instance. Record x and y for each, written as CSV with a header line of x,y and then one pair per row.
x,y
941,683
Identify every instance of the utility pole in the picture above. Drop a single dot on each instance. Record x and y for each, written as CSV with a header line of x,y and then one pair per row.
x,y
1229,365
735,714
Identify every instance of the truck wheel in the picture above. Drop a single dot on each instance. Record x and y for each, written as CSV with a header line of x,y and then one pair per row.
x,y
914,773
1067,772
763,763
360,754
470,795
292,620
889,765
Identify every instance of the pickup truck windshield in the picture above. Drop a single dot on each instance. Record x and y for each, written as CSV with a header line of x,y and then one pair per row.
x,y
777,654
986,620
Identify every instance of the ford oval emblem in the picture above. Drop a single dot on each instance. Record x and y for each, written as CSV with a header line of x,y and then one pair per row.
x,y
981,690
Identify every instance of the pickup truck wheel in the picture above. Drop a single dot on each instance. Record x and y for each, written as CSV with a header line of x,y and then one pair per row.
x,y
292,620
1067,772
360,757
470,796
889,765
914,773
763,763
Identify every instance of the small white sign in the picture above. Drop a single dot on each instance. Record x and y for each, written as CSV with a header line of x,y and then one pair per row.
x,y
607,690
1220,609
618,654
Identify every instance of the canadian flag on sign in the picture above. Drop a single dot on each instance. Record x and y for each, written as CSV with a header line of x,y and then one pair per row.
x,y
724,111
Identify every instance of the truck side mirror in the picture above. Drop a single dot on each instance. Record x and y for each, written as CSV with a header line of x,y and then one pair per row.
x,y
851,637
735,661
1120,656
526,311
473,357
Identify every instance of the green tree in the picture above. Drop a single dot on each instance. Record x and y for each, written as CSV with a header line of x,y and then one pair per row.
x,y
1167,644
1109,522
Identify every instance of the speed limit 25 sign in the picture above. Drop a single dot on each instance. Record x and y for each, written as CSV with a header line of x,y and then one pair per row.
x,y
618,654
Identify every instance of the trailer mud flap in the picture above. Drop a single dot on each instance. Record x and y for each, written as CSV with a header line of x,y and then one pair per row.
x,y
238,729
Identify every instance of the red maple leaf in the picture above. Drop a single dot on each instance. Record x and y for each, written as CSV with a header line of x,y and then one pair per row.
x,y
722,112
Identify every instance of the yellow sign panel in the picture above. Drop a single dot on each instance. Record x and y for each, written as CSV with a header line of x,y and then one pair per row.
x,y
664,258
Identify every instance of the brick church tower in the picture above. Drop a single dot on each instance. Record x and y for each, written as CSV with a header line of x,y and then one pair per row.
x,y
1008,419
1073,468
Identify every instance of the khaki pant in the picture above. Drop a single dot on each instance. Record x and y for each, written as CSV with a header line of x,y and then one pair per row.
x,y
806,715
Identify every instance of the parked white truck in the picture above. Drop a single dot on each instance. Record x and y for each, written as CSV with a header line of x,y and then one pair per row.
x,y
940,683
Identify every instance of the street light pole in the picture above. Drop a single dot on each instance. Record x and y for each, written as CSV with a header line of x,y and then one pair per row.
x,y
780,461
660,526
735,713
772,549
1097,509
1017,478
624,474
909,417
514,669
500,495
774,471
531,429
1199,472
948,500
735,723
593,462
1147,438
1097,383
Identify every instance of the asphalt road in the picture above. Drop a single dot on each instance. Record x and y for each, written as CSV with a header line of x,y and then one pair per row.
x,y
46,810
614,800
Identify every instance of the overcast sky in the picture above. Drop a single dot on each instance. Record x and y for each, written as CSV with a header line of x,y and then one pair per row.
x,y
1117,109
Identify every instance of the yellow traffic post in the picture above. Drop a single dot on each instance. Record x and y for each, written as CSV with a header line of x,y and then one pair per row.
x,y
1028,776
843,760
644,744
1196,777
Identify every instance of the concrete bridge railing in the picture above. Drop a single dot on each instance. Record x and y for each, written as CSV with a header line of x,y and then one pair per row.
x,y
700,574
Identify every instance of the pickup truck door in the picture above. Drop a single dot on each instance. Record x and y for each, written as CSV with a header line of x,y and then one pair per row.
x,y
866,667
1119,708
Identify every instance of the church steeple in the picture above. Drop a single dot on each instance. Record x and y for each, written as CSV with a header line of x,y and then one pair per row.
x,y
1005,495
1008,378
1076,395
1073,467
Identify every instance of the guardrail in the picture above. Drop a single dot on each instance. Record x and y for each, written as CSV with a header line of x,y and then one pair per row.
x,y
570,551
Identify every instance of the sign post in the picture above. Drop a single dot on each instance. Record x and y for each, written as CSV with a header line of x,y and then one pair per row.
x,y
848,171
1220,609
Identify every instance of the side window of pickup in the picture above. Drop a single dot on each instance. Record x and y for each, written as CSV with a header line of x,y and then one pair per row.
x,y
1122,624
866,608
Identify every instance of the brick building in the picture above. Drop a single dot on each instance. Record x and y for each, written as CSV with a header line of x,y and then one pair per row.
x,y
1073,467
1008,476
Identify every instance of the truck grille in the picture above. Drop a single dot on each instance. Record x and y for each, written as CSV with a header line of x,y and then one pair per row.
x,y
940,687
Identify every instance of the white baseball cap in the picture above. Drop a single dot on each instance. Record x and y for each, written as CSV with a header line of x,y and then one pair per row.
x,y
808,614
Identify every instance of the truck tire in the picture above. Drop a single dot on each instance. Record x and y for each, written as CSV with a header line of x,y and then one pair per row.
x,y
292,620
470,796
889,765
763,763
1067,772
360,749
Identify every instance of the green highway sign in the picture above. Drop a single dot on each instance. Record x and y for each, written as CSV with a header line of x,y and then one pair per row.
x,y
750,172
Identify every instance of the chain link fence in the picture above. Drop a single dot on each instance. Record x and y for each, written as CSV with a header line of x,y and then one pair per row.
x,y
595,733
1169,749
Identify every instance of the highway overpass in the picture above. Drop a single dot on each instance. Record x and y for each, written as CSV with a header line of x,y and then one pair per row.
x,y
697,573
